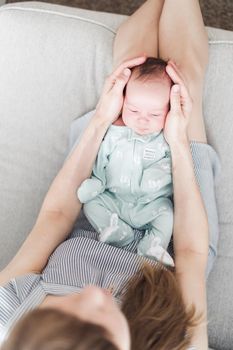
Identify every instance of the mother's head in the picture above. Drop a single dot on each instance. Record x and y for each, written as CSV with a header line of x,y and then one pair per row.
x,y
153,316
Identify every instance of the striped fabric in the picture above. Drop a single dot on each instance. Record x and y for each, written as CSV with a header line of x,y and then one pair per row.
x,y
81,259
78,261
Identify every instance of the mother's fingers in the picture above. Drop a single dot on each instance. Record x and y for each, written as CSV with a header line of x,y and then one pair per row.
x,y
176,78
122,81
185,98
128,64
178,71
174,75
175,99
112,78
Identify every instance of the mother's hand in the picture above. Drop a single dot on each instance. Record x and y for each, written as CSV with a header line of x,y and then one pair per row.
x,y
177,120
111,99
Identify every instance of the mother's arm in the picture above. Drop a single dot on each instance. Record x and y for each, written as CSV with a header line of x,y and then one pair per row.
x,y
190,231
61,206
190,237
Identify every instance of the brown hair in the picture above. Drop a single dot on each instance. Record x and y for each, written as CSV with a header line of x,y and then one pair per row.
x,y
157,315
153,67
52,329
151,301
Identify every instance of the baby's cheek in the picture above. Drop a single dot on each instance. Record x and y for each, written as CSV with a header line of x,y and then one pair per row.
x,y
163,120
159,124
125,118
124,113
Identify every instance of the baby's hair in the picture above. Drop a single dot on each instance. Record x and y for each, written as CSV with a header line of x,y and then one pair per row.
x,y
153,67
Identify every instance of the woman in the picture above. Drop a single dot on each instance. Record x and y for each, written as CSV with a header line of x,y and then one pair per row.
x,y
156,310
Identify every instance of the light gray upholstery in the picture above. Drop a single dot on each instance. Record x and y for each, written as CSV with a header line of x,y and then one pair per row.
x,y
53,63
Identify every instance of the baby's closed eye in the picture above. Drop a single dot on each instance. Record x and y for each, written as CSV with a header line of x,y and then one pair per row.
x,y
152,114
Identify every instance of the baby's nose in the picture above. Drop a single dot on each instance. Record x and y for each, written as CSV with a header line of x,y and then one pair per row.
x,y
143,119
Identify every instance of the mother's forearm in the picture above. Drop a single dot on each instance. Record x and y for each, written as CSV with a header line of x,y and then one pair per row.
x,y
190,218
78,166
60,207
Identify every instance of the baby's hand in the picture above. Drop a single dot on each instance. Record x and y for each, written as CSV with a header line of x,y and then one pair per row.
x,y
89,189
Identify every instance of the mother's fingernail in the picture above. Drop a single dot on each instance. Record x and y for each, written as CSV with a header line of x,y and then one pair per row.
x,y
171,61
176,88
127,72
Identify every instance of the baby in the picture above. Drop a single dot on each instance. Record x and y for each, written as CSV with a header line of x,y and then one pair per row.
x,y
131,182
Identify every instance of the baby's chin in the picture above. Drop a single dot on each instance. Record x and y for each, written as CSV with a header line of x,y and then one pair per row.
x,y
146,131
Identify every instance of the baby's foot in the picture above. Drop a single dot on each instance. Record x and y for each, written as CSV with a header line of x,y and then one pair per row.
x,y
118,233
158,252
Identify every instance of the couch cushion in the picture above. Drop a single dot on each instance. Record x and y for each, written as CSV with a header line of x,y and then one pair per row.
x,y
218,107
52,67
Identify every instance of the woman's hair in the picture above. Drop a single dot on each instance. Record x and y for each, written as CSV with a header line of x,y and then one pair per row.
x,y
151,301
52,329
157,315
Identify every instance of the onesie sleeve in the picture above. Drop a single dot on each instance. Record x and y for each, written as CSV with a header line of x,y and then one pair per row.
x,y
96,184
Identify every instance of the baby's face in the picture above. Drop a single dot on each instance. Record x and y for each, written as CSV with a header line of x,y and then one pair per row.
x,y
146,105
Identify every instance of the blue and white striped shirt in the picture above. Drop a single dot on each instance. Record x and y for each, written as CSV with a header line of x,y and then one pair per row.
x,y
78,261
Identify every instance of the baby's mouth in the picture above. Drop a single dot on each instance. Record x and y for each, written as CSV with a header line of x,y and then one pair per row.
x,y
141,128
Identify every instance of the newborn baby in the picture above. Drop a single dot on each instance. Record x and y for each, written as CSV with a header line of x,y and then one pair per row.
x,y
131,182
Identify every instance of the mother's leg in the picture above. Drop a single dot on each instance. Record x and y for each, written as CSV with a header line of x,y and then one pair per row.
x,y
183,38
138,34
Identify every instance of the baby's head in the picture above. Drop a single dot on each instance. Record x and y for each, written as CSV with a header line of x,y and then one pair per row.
x,y
147,97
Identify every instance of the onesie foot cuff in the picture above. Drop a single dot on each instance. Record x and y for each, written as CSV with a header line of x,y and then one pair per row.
x,y
155,251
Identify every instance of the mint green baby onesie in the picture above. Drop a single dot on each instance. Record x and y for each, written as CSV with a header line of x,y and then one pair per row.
x,y
131,187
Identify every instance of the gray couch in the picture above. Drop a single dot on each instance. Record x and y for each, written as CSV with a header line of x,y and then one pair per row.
x,y
53,62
